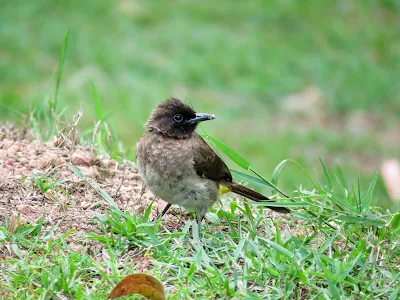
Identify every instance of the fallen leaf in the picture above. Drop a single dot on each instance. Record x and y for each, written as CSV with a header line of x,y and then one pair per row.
x,y
142,284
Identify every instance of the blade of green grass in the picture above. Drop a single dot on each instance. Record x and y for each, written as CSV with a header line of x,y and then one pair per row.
x,y
354,219
280,249
269,183
284,204
53,105
232,154
395,222
367,199
97,104
249,178
98,189
326,173
359,202
283,163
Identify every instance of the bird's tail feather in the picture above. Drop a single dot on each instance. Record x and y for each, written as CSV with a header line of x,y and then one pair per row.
x,y
248,193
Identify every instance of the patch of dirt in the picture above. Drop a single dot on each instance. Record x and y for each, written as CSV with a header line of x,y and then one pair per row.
x,y
35,181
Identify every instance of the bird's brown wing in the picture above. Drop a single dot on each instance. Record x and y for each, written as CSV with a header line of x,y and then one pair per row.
x,y
207,163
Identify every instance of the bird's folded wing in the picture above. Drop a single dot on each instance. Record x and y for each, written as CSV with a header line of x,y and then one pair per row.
x,y
207,163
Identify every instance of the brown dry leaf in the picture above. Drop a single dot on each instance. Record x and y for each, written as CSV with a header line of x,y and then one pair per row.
x,y
142,284
14,223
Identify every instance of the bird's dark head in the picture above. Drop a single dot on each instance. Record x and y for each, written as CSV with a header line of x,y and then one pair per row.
x,y
175,119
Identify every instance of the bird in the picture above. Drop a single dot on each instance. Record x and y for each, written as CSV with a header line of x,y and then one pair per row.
x,y
179,167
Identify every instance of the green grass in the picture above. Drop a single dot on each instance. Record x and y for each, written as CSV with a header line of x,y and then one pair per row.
x,y
335,244
236,61
345,248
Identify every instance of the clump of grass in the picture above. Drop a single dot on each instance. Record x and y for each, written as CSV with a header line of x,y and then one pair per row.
x,y
40,265
335,245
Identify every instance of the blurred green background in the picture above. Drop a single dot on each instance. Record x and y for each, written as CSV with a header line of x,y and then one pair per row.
x,y
286,79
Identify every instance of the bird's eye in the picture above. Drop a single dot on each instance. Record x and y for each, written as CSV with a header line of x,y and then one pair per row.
x,y
178,118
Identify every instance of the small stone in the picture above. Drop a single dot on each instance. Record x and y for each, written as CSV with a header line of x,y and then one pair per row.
x,y
32,163
87,171
32,152
19,172
13,149
32,148
23,161
25,172
58,161
81,158
25,209
7,144
77,248
43,162
3,153
53,157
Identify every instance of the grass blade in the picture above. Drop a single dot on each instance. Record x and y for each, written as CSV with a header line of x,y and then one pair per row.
x,y
283,163
359,203
282,204
251,179
97,104
232,154
98,189
53,105
355,219
395,222
326,173
269,183
367,199
280,249
278,169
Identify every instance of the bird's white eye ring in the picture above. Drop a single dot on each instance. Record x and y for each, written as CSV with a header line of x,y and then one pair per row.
x,y
178,118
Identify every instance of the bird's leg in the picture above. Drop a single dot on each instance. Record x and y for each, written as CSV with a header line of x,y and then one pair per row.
x,y
200,218
163,212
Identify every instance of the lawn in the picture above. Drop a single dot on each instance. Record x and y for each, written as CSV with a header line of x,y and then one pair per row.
x,y
301,80
73,225
242,62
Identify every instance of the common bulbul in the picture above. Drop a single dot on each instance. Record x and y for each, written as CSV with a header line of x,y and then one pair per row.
x,y
179,167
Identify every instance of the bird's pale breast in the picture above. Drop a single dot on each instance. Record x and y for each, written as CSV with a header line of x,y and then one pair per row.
x,y
166,166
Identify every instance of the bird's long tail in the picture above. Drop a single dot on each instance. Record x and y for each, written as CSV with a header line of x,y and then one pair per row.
x,y
248,193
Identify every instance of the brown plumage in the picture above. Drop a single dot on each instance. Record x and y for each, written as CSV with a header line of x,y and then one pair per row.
x,y
177,164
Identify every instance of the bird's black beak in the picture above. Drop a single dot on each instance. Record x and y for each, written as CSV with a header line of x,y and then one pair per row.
x,y
200,117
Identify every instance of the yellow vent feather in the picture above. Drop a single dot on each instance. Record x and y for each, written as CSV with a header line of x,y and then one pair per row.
x,y
223,189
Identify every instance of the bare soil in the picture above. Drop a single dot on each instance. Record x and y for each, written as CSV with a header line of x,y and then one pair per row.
x,y
35,180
